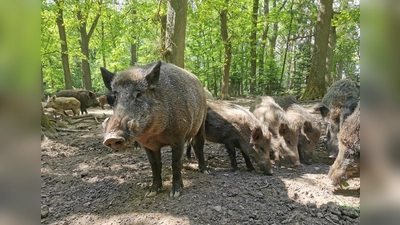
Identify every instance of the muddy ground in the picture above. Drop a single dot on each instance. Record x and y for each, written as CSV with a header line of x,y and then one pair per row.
x,y
83,182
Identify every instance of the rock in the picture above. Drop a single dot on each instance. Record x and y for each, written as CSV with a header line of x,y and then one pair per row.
x,y
44,212
320,215
83,173
350,212
218,208
311,205
334,218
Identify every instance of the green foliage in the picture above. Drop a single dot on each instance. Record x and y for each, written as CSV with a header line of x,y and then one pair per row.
x,y
123,23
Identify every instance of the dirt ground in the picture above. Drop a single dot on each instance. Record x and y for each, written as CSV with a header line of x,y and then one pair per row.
x,y
84,182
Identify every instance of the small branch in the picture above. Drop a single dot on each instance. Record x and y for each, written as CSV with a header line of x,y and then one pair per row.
x,y
69,130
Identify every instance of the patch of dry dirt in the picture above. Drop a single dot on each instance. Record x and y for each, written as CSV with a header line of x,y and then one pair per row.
x,y
83,182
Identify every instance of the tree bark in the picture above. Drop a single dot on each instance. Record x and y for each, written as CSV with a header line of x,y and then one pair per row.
x,y
329,56
316,87
64,45
84,43
253,46
176,32
228,53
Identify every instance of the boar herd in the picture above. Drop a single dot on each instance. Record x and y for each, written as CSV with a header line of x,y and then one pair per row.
x,y
160,104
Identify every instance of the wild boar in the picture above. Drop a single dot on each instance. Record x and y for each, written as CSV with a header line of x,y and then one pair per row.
x,y
157,105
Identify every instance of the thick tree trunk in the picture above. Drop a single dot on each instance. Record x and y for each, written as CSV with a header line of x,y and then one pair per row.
x,y
64,46
329,56
316,87
86,77
228,54
84,42
176,32
253,46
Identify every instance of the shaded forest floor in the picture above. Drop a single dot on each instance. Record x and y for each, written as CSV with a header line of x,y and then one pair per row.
x,y
83,182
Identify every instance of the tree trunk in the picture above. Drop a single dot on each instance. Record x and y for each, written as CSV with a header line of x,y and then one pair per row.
x,y
133,43
228,53
103,55
64,46
86,76
316,88
261,60
84,42
176,32
329,56
287,48
253,46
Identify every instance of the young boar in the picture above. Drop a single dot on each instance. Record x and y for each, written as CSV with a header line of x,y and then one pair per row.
x,y
347,163
284,136
236,127
86,98
63,103
309,131
342,94
107,99
157,105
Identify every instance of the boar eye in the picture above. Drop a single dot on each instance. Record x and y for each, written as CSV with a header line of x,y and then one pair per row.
x,y
138,94
288,142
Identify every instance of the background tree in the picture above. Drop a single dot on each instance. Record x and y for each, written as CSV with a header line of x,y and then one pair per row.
x,y
83,12
129,33
64,45
316,87
228,52
175,32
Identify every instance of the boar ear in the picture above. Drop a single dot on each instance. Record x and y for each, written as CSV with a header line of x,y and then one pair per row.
x,y
153,75
256,133
323,109
307,127
53,97
283,128
107,77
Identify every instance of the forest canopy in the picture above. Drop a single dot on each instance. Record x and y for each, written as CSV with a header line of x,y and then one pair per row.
x,y
272,42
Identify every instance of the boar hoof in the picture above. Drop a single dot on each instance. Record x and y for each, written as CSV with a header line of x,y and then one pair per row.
x,y
206,171
297,165
150,194
174,193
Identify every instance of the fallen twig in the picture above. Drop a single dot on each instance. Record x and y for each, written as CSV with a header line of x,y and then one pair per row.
x,y
69,130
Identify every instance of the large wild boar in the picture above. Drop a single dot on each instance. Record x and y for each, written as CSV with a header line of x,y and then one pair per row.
x,y
284,136
347,163
157,105
85,97
235,127
63,103
342,94
309,131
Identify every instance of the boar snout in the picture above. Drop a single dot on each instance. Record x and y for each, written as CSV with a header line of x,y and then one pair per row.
x,y
114,142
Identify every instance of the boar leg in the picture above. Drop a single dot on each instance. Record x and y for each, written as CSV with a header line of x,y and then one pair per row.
x,y
177,184
232,155
249,165
155,162
198,146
